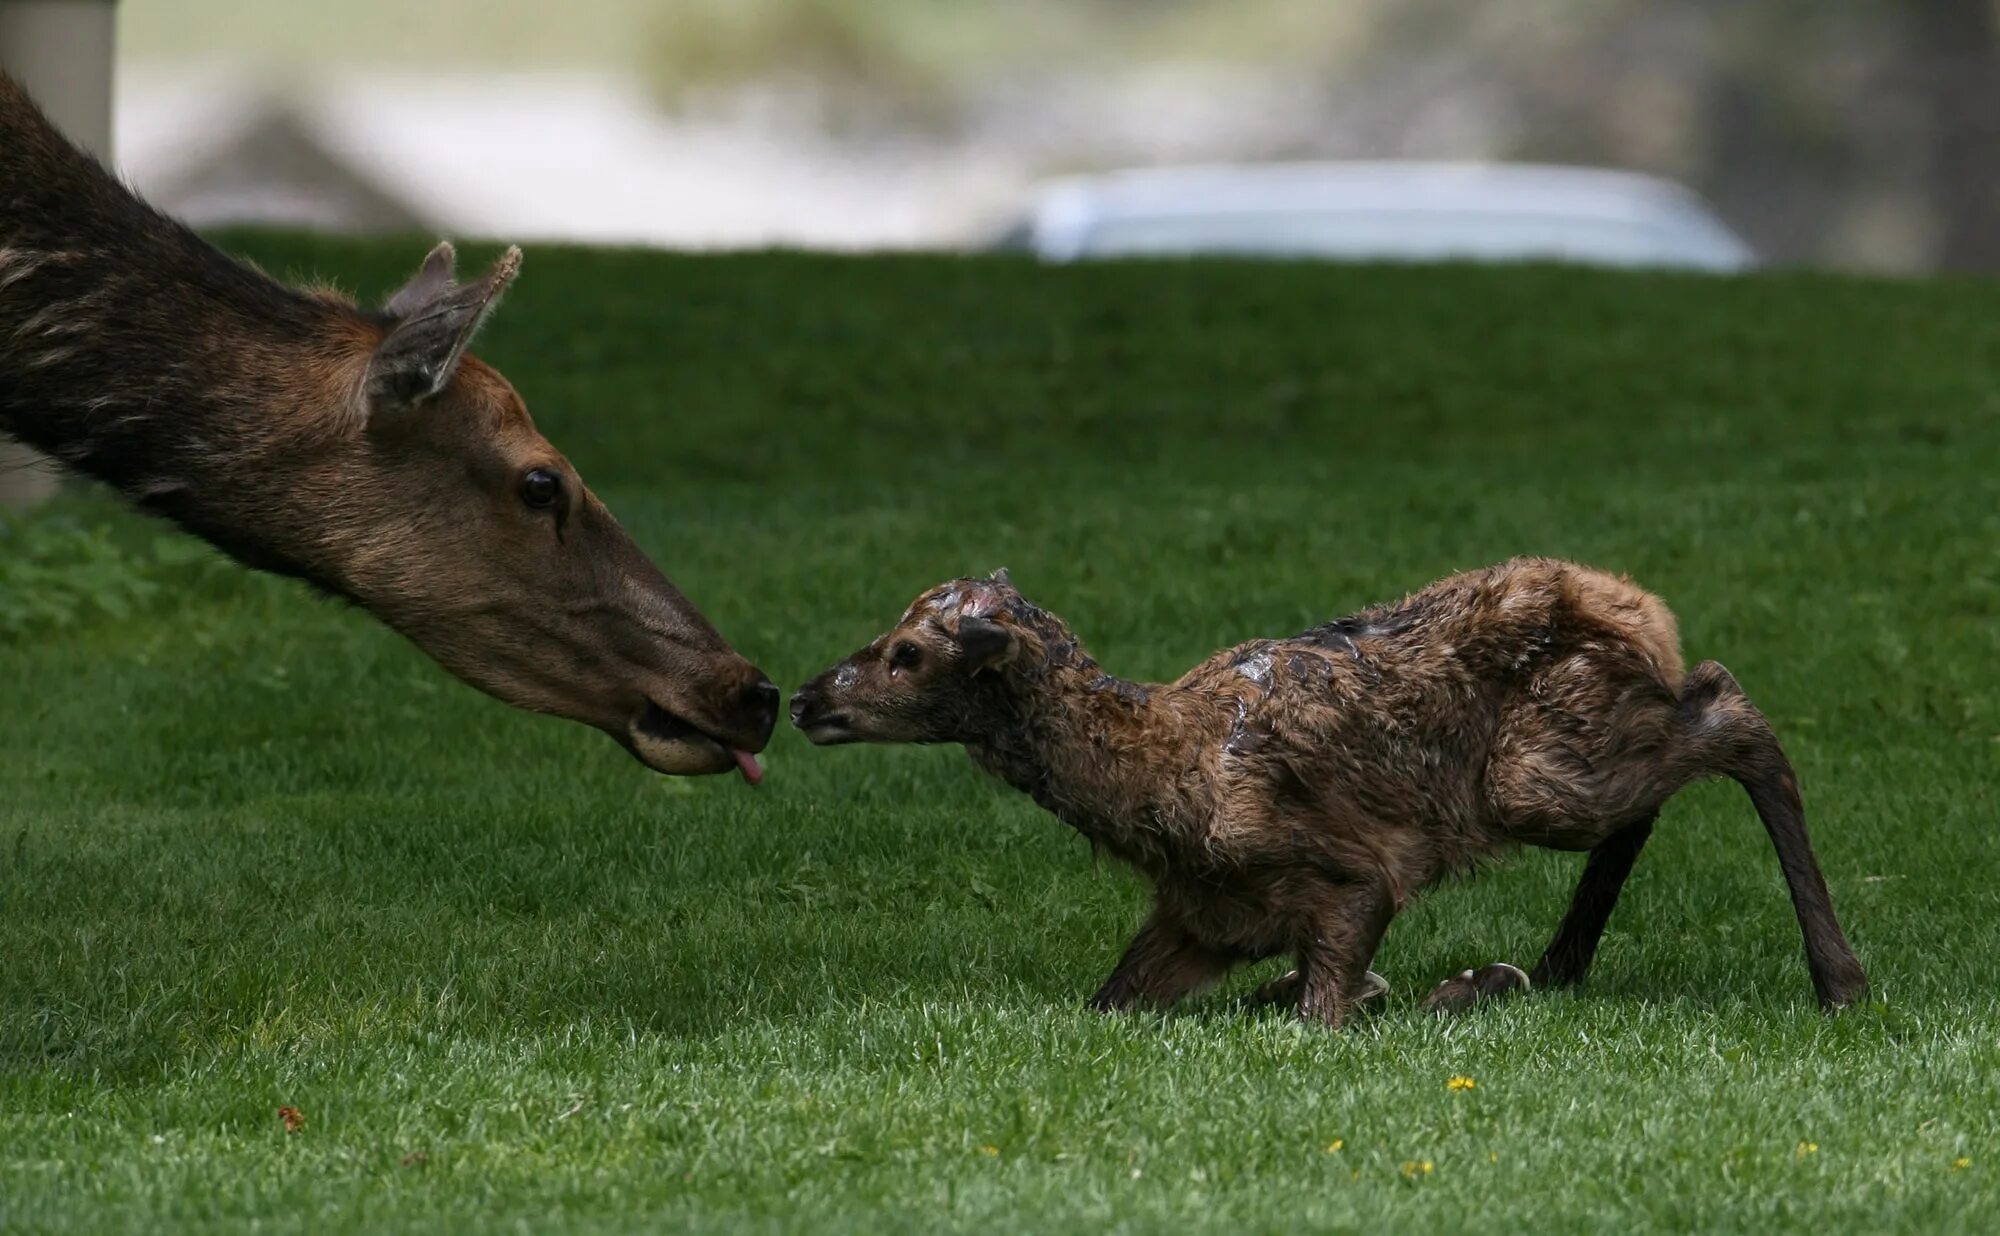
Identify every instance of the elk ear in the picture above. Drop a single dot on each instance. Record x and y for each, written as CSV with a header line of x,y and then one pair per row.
x,y
422,352
433,279
984,644
1001,578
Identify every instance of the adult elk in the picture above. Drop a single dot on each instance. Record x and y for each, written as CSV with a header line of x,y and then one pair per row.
x,y
362,450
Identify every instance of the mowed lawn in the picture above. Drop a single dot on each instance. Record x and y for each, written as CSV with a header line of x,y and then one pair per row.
x,y
256,852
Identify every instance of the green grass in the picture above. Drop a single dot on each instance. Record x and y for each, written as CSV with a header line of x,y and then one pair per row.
x,y
256,852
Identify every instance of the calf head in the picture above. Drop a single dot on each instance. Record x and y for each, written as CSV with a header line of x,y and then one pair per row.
x,y
443,511
946,672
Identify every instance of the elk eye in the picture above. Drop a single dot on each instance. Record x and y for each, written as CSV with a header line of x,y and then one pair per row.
x,y
905,655
541,488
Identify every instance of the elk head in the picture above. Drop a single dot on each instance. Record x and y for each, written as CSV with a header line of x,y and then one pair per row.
x,y
442,511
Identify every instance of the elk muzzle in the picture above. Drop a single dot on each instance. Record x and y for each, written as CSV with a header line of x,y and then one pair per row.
x,y
689,738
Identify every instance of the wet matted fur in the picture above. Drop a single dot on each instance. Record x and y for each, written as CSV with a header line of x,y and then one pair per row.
x,y
1289,796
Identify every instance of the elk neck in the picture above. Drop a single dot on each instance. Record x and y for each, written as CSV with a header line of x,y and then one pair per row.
x,y
138,354
1108,757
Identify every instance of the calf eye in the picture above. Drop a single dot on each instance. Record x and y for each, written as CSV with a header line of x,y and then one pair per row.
x,y
541,488
905,655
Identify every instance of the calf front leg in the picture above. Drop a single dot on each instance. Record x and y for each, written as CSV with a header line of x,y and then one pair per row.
x,y
1343,928
1162,964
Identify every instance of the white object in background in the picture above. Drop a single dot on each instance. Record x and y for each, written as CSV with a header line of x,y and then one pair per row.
x,y
1383,212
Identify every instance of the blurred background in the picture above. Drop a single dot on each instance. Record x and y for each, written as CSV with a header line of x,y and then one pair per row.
x,y
1863,134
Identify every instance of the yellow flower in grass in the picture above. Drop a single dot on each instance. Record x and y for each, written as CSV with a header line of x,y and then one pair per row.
x,y
1806,1148
1461,1083
991,1152
1959,1165
1333,1147
1413,1168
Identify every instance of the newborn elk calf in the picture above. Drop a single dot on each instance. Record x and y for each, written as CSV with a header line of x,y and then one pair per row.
x,y
1289,796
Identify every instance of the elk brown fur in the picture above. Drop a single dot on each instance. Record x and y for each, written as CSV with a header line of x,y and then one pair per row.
x,y
1289,796
360,449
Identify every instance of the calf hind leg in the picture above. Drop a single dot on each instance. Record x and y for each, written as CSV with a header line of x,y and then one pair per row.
x,y
1468,987
1567,958
1582,763
1745,748
1714,731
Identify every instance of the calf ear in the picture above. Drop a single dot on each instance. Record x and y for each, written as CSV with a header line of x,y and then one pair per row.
x,y
984,644
423,350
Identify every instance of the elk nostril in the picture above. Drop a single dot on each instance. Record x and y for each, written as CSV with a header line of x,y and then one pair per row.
x,y
763,697
801,705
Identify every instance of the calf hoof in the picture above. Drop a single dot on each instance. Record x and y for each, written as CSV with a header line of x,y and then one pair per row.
x,y
1469,987
1849,987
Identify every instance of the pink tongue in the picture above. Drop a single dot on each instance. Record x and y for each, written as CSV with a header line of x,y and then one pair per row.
x,y
746,763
